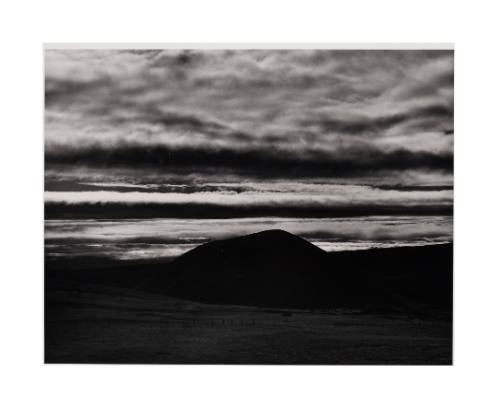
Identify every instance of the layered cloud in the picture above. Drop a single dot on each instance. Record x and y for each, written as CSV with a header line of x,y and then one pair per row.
x,y
99,200
181,121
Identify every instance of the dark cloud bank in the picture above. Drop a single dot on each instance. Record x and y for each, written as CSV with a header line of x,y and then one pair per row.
x,y
259,162
118,210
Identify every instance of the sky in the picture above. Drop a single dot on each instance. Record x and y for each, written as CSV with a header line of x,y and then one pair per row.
x,y
132,239
237,133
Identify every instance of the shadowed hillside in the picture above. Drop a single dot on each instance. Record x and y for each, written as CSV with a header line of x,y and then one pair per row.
x,y
269,297
271,268
277,269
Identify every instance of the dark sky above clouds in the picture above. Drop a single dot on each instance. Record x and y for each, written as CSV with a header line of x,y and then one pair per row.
x,y
242,128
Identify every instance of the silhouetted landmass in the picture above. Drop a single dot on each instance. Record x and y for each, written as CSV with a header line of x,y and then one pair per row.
x,y
277,269
265,298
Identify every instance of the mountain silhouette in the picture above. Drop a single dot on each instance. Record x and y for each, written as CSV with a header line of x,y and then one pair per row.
x,y
275,268
271,268
270,250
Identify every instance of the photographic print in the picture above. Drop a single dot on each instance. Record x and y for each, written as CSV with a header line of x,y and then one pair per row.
x,y
248,206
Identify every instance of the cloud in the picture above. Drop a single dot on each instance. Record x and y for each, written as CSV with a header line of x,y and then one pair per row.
x,y
194,118
317,195
245,97
120,210
381,123
259,162
254,199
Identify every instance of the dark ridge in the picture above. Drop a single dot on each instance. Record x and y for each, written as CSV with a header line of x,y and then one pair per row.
x,y
277,269
268,245
268,268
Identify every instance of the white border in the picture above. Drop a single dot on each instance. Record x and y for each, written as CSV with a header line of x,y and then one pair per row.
x,y
473,27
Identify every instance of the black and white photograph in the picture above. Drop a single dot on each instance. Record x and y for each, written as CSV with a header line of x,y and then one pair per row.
x,y
254,204
248,206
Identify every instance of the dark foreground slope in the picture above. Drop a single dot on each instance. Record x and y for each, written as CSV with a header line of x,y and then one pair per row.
x,y
99,324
